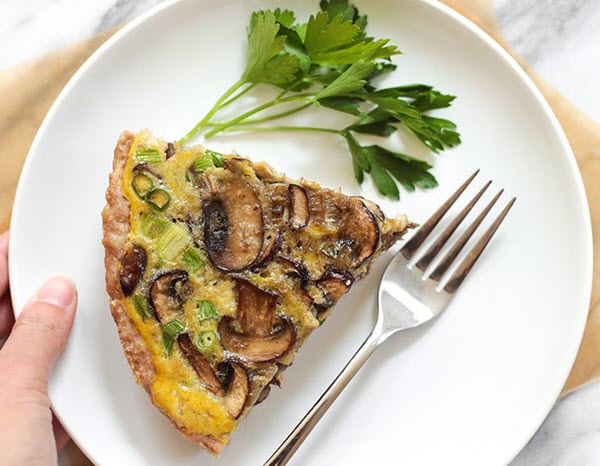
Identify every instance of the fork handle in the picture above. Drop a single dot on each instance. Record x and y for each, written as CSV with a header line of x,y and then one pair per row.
x,y
304,427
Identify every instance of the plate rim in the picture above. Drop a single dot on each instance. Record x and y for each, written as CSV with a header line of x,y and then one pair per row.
x,y
494,47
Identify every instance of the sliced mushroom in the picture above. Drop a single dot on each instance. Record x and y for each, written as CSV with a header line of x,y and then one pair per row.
x,y
306,298
256,309
265,172
235,164
165,296
170,151
277,205
200,365
393,235
237,390
294,268
326,209
359,235
334,284
258,349
133,265
233,227
374,208
263,337
263,395
322,313
277,378
271,246
298,217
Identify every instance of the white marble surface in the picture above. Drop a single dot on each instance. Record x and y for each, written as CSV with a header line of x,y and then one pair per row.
x,y
558,37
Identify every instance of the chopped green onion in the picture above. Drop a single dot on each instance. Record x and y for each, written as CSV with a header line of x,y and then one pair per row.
x,y
206,340
171,239
206,310
203,163
172,243
141,306
192,258
148,156
169,332
151,226
217,159
142,185
158,198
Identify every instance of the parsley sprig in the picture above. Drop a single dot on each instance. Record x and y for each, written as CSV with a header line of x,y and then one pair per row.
x,y
330,62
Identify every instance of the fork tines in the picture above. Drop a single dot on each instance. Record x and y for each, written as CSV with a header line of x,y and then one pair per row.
x,y
413,245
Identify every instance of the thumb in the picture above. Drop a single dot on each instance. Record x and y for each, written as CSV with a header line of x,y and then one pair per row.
x,y
40,333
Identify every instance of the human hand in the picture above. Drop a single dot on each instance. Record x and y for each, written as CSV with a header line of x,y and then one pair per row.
x,y
31,435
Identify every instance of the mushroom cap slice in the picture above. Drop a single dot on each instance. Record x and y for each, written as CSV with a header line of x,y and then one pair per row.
x,y
374,208
233,227
256,309
299,213
256,348
272,245
277,202
334,284
200,365
361,231
263,394
133,266
294,268
165,296
170,150
237,390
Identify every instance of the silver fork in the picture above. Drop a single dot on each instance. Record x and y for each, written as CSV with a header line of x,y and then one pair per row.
x,y
408,297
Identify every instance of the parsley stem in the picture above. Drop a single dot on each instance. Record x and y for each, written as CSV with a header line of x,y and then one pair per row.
x,y
212,111
286,128
260,108
291,111
238,95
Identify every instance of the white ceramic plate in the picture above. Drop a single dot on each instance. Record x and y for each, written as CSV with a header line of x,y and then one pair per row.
x,y
470,388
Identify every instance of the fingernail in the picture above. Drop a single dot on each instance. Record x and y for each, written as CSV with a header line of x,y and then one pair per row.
x,y
58,290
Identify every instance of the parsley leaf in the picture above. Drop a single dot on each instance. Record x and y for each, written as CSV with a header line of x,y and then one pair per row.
x,y
382,68
444,129
379,123
345,9
384,165
323,35
409,171
339,7
360,163
284,17
349,55
294,46
264,62
383,181
343,104
349,81
424,97
435,133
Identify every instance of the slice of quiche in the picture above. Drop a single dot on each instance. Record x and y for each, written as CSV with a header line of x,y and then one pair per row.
x,y
218,270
